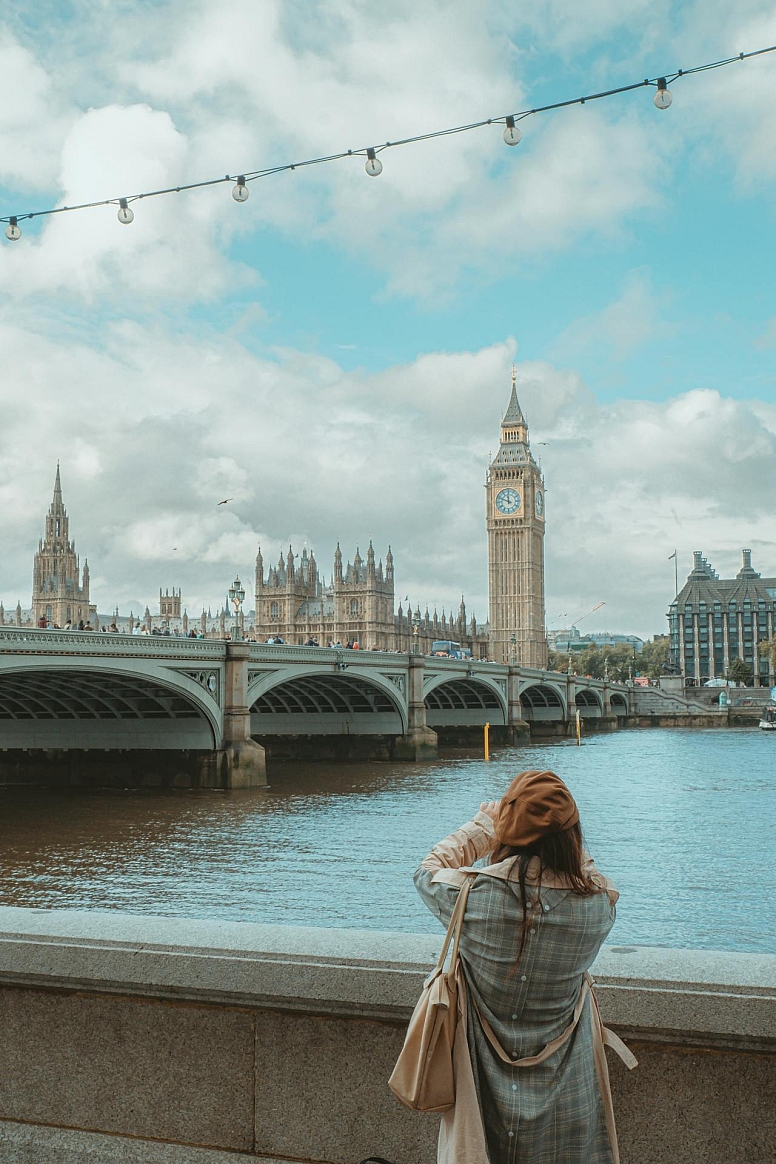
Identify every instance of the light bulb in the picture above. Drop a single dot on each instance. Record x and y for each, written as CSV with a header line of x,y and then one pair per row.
x,y
373,165
125,215
12,231
512,134
240,192
664,96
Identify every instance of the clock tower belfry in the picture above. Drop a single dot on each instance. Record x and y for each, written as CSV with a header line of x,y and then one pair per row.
x,y
515,521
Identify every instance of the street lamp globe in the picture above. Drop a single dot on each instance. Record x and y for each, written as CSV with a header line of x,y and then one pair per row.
x,y
236,597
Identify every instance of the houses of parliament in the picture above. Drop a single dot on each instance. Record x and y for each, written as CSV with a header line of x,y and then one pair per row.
x,y
295,603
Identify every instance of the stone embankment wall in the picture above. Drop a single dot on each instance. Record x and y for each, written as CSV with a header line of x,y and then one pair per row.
x,y
162,1041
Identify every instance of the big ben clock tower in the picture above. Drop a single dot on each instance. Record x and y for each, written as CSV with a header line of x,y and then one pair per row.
x,y
515,519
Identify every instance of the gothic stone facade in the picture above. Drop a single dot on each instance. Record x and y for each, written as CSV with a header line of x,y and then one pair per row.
x,y
294,601
170,604
60,593
515,521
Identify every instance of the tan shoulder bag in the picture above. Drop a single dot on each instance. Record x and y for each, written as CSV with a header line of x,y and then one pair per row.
x,y
423,1077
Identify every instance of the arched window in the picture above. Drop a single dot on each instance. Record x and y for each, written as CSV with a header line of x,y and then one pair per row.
x,y
274,610
354,606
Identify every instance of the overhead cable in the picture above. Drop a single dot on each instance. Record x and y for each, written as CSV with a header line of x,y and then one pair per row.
x,y
374,167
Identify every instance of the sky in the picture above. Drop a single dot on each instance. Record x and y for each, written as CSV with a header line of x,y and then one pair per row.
x,y
334,354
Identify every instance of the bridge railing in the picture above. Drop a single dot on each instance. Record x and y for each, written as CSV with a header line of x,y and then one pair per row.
x,y
50,642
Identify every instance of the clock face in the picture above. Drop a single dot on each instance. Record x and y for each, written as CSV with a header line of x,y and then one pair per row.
x,y
539,503
508,501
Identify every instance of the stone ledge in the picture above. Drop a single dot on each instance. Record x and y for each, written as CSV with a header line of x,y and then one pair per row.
x,y
37,1144
708,998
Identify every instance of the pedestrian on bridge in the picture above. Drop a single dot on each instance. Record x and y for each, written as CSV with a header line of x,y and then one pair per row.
x,y
531,1081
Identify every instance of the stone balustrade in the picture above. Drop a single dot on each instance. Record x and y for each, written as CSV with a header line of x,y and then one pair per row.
x,y
141,1039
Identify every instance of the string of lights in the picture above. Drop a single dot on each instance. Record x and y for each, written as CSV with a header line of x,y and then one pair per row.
x,y
512,135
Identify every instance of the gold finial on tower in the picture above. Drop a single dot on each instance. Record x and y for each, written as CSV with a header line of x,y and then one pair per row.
x,y
514,375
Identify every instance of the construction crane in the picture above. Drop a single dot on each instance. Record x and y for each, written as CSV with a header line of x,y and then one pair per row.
x,y
597,606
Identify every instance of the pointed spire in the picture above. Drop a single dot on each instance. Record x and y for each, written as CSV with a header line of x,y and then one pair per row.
x,y
513,416
57,503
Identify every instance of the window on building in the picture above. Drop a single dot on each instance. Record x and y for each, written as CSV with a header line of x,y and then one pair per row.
x,y
354,606
274,610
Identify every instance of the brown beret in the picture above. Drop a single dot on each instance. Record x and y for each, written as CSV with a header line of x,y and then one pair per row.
x,y
535,804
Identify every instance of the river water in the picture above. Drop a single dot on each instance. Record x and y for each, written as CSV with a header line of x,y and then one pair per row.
x,y
683,821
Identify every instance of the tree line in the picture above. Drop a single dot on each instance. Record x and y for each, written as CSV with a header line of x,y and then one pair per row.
x,y
618,661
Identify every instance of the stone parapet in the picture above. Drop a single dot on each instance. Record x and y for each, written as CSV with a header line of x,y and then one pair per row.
x,y
200,1042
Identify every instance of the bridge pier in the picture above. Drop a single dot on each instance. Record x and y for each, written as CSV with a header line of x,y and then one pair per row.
x,y
240,762
517,727
421,741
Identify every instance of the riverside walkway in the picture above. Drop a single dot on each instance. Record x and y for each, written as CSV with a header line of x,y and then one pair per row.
x,y
172,1041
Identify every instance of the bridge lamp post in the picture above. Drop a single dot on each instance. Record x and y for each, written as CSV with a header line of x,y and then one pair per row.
x,y
416,633
236,597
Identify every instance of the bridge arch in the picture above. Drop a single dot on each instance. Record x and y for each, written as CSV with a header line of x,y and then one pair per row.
x,y
320,701
542,701
457,701
588,703
619,703
108,704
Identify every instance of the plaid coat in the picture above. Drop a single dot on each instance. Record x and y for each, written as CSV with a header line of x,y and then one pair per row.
x,y
552,1113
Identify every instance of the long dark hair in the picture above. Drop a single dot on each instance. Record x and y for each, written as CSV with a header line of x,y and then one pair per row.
x,y
563,853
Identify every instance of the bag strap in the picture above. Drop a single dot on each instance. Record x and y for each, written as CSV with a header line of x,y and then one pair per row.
x,y
455,925
608,1037
551,1047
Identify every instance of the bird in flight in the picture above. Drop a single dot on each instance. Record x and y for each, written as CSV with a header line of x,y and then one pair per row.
x,y
225,501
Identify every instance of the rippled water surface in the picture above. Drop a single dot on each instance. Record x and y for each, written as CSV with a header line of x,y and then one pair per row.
x,y
683,821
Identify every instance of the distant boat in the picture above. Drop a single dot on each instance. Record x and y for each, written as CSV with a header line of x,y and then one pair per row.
x,y
768,718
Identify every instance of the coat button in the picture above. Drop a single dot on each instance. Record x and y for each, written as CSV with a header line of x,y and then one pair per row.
x,y
523,977
514,1087
514,1016
546,909
510,1133
533,931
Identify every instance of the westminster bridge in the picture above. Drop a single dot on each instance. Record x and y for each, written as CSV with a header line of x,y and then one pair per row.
x,y
218,703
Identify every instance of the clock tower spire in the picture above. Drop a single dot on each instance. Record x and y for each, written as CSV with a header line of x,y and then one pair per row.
x,y
515,522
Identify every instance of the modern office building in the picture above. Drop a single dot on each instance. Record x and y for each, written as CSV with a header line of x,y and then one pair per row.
x,y
714,620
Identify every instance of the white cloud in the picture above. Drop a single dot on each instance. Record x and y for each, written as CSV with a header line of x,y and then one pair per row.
x,y
623,326
32,117
202,96
153,435
172,249
156,419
